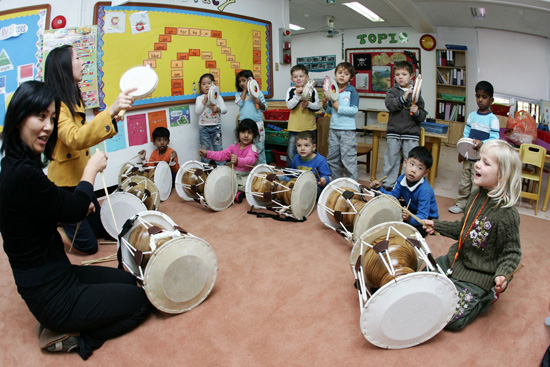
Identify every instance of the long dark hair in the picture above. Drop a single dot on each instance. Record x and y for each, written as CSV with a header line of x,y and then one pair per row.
x,y
247,74
30,99
59,76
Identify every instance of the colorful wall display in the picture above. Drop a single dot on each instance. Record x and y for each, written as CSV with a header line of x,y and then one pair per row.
x,y
84,41
21,54
181,44
374,68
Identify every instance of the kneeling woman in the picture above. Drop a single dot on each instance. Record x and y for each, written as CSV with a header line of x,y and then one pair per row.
x,y
86,305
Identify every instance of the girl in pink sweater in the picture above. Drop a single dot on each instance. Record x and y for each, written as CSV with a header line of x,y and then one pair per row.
x,y
242,155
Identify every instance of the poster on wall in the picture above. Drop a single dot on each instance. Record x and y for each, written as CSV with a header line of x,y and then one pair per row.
x,y
374,68
318,63
84,41
21,54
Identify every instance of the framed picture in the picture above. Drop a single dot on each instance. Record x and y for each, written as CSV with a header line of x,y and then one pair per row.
x,y
374,68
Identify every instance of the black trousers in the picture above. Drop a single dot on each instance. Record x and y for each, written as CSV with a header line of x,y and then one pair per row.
x,y
90,229
99,302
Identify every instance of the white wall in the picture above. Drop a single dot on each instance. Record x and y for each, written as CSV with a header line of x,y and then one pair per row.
x,y
185,139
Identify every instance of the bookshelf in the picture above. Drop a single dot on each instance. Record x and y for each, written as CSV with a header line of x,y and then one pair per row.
x,y
450,89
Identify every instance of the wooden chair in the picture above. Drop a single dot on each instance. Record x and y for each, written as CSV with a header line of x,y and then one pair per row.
x,y
532,159
383,116
364,149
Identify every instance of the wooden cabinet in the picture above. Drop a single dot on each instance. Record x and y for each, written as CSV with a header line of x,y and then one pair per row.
x,y
451,91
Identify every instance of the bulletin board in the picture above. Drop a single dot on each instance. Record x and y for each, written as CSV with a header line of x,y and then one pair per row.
x,y
181,44
21,32
374,68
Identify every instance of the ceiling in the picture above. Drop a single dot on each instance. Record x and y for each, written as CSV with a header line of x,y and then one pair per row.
x,y
424,16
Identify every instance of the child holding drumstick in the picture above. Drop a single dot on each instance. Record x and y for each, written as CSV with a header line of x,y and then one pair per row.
x,y
415,190
242,155
251,108
488,247
161,139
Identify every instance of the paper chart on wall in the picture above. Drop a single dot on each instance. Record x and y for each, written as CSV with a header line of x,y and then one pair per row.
x,y
156,119
118,141
84,41
137,129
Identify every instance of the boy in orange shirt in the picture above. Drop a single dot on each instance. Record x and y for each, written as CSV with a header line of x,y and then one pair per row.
x,y
161,139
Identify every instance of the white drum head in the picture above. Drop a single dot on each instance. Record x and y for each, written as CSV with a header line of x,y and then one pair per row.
x,y
465,147
213,95
163,180
153,201
220,188
152,217
304,194
377,210
332,91
180,274
254,200
409,311
144,78
125,206
253,88
325,217
184,168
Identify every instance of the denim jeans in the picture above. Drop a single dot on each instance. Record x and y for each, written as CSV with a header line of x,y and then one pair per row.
x,y
211,139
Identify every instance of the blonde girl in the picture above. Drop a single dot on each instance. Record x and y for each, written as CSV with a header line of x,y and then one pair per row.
x,y
488,243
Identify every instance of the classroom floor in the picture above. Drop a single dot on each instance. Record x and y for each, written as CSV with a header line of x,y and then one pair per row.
x,y
446,181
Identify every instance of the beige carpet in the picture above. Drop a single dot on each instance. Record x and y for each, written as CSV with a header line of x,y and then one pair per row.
x,y
285,297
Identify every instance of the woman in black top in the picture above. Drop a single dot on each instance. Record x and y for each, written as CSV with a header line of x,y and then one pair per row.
x,y
86,305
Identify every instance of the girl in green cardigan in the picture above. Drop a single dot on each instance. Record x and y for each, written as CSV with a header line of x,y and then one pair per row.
x,y
488,247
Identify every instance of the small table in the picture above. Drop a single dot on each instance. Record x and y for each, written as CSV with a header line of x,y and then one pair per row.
x,y
431,139
367,110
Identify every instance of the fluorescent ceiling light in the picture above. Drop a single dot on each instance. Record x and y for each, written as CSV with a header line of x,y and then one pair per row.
x,y
295,27
364,11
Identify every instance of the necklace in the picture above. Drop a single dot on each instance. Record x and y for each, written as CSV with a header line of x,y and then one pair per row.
x,y
461,239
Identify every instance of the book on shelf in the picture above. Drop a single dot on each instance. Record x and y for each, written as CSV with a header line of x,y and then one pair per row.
x,y
450,111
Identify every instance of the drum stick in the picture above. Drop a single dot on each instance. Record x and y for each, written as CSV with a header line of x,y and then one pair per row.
x,y
74,237
512,273
412,104
409,212
233,180
108,199
381,179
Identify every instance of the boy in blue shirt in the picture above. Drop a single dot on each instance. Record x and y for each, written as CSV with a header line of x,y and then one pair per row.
x,y
308,160
342,142
482,125
414,189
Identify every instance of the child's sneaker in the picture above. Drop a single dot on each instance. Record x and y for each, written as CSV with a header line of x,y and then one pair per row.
x,y
455,209
239,197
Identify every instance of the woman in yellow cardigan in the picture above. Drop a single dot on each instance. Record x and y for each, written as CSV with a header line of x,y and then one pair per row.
x,y
64,69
